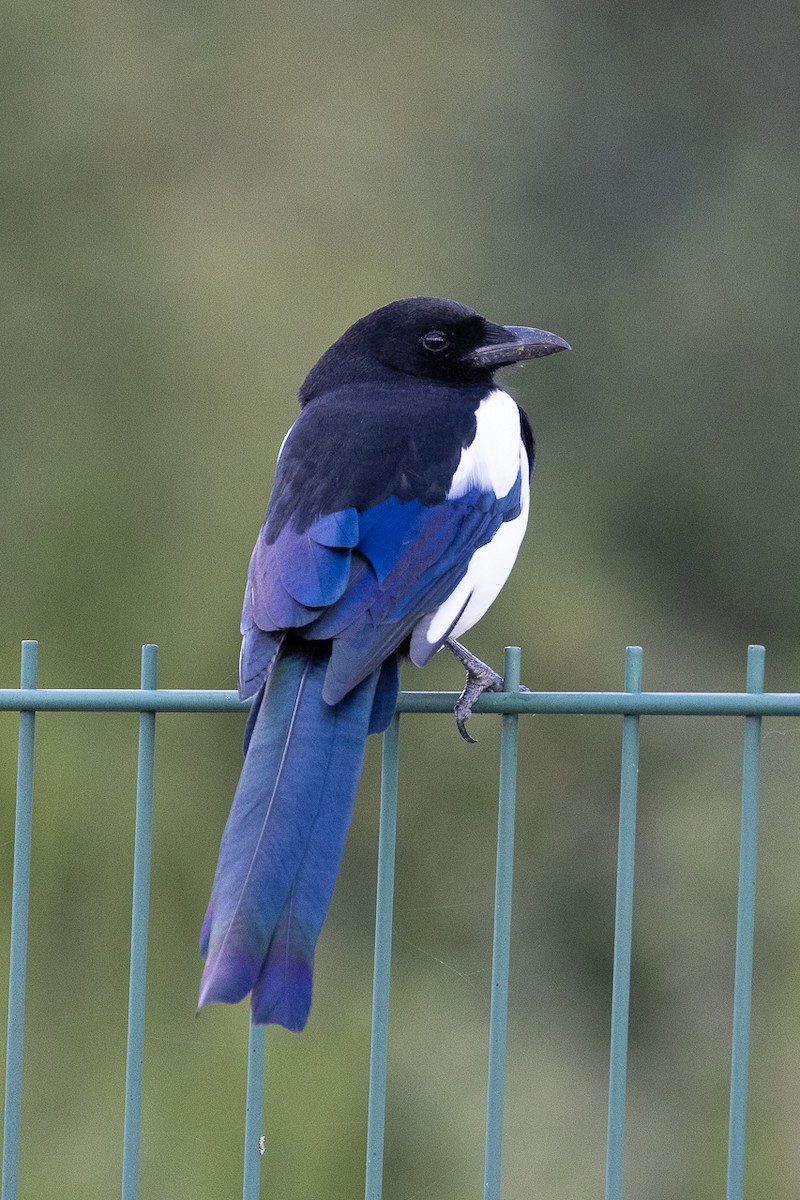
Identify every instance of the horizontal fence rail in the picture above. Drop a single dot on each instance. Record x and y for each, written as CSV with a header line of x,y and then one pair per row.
x,y
631,703
620,704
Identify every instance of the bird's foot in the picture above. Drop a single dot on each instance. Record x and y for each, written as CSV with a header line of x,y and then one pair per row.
x,y
480,678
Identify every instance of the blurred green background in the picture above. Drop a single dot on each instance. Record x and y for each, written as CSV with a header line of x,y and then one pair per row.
x,y
196,200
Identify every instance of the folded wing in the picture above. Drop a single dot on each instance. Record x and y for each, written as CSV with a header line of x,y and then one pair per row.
x,y
364,579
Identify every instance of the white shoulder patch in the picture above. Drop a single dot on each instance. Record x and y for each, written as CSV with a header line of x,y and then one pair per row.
x,y
491,461
285,440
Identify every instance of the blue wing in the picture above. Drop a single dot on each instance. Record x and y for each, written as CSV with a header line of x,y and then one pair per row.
x,y
362,578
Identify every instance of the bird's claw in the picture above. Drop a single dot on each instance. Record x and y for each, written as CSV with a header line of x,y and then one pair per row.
x,y
480,678
475,686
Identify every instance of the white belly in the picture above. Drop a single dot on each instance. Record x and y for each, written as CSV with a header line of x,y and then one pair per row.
x,y
493,461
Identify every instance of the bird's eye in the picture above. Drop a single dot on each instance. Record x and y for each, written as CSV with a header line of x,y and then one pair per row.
x,y
436,342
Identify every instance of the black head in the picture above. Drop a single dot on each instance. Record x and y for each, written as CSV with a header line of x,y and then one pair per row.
x,y
431,339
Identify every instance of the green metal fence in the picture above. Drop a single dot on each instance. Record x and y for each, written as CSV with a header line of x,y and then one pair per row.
x,y
631,703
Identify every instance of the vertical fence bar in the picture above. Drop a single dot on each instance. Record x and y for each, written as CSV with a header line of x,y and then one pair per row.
x,y
745,928
23,828
143,838
254,1113
623,930
384,904
501,944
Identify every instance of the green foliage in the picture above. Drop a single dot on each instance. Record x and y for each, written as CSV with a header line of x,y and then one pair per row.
x,y
197,200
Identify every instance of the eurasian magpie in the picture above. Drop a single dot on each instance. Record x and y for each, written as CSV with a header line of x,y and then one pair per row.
x,y
398,507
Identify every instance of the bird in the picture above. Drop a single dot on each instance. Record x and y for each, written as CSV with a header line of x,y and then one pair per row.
x,y
399,502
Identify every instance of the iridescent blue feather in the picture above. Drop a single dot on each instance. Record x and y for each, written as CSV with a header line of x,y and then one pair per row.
x,y
284,838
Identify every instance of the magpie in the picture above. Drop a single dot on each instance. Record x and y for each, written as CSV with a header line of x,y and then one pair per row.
x,y
399,504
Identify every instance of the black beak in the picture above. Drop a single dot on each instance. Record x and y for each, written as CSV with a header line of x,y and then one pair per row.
x,y
515,343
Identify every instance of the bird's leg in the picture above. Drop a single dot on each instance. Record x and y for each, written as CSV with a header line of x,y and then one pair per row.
x,y
480,679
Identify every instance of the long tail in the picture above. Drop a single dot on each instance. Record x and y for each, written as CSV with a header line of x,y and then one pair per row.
x,y
285,836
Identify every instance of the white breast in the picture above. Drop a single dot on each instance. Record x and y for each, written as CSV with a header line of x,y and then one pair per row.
x,y
493,461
